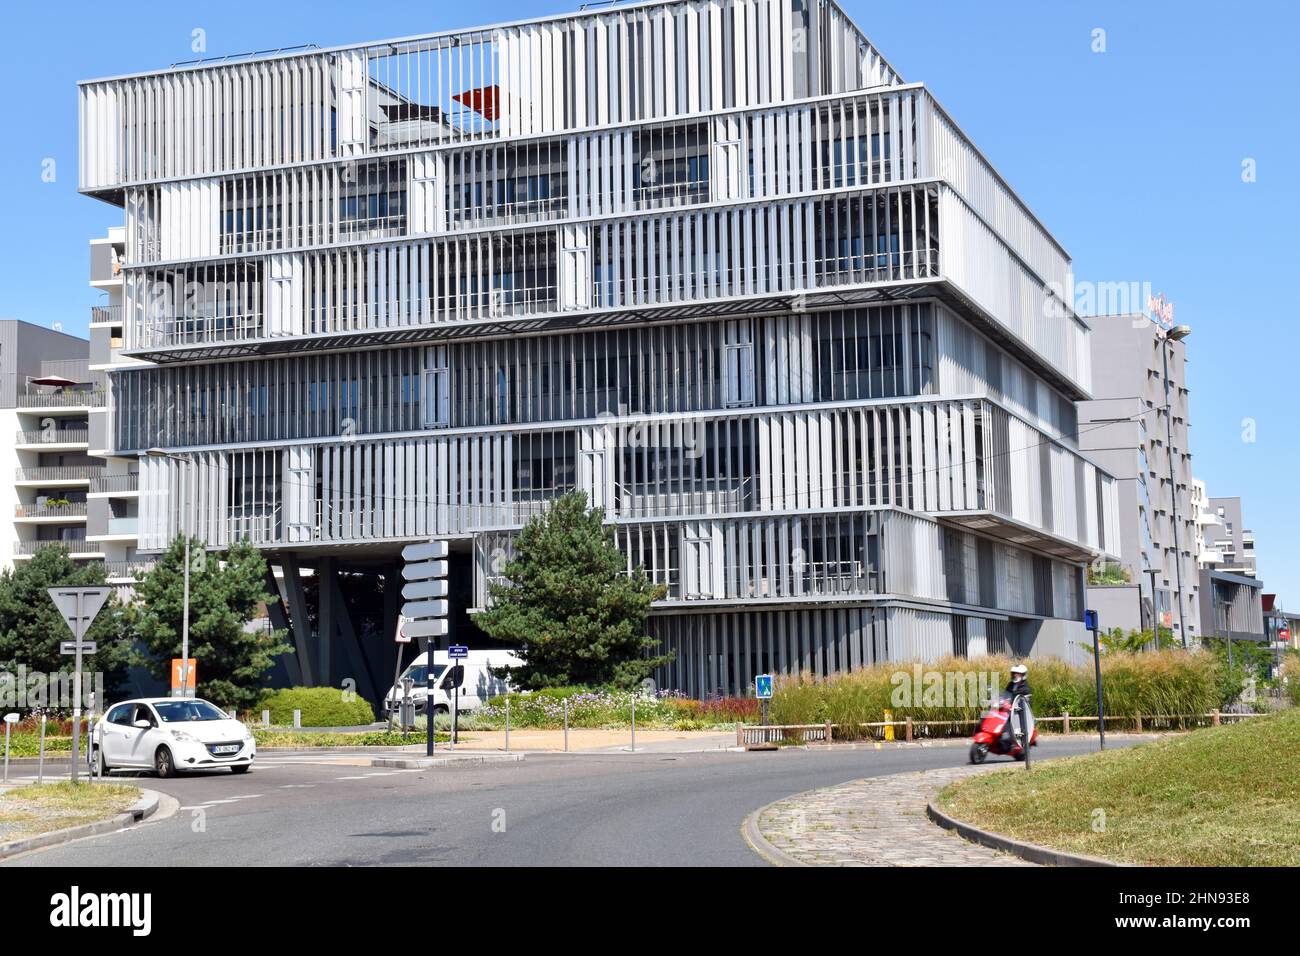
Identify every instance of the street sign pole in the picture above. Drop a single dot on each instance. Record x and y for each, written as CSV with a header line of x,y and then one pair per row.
x,y
1091,623
79,606
425,606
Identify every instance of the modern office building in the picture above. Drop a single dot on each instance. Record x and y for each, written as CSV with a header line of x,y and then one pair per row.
x,y
1125,430
712,263
1232,597
47,394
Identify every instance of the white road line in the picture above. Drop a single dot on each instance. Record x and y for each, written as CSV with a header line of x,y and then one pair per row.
x,y
296,786
360,777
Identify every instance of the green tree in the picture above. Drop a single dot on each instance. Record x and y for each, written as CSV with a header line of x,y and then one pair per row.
x,y
31,627
225,591
569,603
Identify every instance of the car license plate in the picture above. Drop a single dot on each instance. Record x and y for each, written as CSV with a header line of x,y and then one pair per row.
x,y
226,749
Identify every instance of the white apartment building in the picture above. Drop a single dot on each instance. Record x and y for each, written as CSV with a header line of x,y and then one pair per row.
x,y
47,394
711,262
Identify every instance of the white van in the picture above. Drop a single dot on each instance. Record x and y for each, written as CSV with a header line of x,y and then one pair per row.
x,y
477,686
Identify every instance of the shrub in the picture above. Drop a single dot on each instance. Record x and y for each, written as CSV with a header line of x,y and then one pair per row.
x,y
1157,683
320,706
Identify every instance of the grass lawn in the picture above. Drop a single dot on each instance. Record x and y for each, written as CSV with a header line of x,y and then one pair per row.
x,y
1223,796
35,809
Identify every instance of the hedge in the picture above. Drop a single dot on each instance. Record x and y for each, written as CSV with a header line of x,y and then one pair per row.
x,y
320,706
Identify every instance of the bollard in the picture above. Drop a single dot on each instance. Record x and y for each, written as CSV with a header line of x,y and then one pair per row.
x,y
907,730
1214,717
1138,718
889,725
740,734
40,761
634,723
1065,723
829,728
266,718
297,720
507,725
566,725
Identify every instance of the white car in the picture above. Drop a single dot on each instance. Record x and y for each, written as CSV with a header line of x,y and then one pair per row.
x,y
166,735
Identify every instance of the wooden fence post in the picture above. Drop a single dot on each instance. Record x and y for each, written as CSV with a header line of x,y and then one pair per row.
x,y
1065,724
829,728
740,734
908,730
1214,717
1138,718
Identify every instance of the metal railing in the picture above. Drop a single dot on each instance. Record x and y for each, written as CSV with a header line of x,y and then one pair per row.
x,y
111,483
127,569
53,436
73,509
73,545
106,313
58,472
907,730
64,399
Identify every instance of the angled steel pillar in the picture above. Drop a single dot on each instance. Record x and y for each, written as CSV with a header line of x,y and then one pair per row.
x,y
298,616
280,621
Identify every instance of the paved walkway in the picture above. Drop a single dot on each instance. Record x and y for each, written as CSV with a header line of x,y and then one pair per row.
x,y
879,821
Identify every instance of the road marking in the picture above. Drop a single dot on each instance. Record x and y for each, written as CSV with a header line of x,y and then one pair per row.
x,y
297,786
360,777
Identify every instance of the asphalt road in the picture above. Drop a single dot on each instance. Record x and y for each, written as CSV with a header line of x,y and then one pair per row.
x,y
645,809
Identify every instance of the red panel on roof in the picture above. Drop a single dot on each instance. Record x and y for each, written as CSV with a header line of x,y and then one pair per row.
x,y
483,100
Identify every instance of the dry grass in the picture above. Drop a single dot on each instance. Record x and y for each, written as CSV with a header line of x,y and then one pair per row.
x,y
32,810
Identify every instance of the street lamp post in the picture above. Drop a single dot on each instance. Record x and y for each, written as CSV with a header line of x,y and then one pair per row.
x,y
1177,334
185,530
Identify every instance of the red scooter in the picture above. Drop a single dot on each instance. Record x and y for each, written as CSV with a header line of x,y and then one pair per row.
x,y
990,737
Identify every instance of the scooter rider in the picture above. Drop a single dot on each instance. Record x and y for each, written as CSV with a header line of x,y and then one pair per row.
x,y
1018,687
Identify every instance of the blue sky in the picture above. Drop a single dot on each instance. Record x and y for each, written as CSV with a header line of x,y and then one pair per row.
x,y
1132,157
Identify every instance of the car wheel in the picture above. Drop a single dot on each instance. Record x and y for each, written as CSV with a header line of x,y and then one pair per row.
x,y
243,769
162,763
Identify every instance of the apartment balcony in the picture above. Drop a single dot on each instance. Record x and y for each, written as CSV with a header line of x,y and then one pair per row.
x,y
115,485
76,547
46,513
57,475
61,400
708,497
49,439
122,572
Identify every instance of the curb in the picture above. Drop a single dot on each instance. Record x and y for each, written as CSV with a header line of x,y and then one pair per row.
x,y
759,844
420,763
142,809
1031,852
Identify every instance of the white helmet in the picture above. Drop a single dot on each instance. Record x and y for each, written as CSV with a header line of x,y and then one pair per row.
x,y
1020,669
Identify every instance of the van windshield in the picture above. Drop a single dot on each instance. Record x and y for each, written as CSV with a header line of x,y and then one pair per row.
x,y
419,673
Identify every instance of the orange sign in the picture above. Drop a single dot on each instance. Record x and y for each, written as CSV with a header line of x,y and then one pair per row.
x,y
176,677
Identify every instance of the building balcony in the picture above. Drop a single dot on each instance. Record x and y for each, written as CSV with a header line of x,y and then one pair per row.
x,y
50,438
77,547
105,315
61,400
45,512
57,475
110,485
121,572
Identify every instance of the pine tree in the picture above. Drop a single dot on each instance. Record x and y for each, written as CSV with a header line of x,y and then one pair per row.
x,y
569,604
225,591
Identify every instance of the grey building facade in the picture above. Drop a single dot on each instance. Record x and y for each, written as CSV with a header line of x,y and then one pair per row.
x,y
714,264
1124,429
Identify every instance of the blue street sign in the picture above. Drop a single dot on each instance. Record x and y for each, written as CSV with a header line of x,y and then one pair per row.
x,y
1090,620
763,686
458,651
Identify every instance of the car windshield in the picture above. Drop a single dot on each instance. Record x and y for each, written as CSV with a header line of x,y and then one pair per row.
x,y
419,673
180,711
